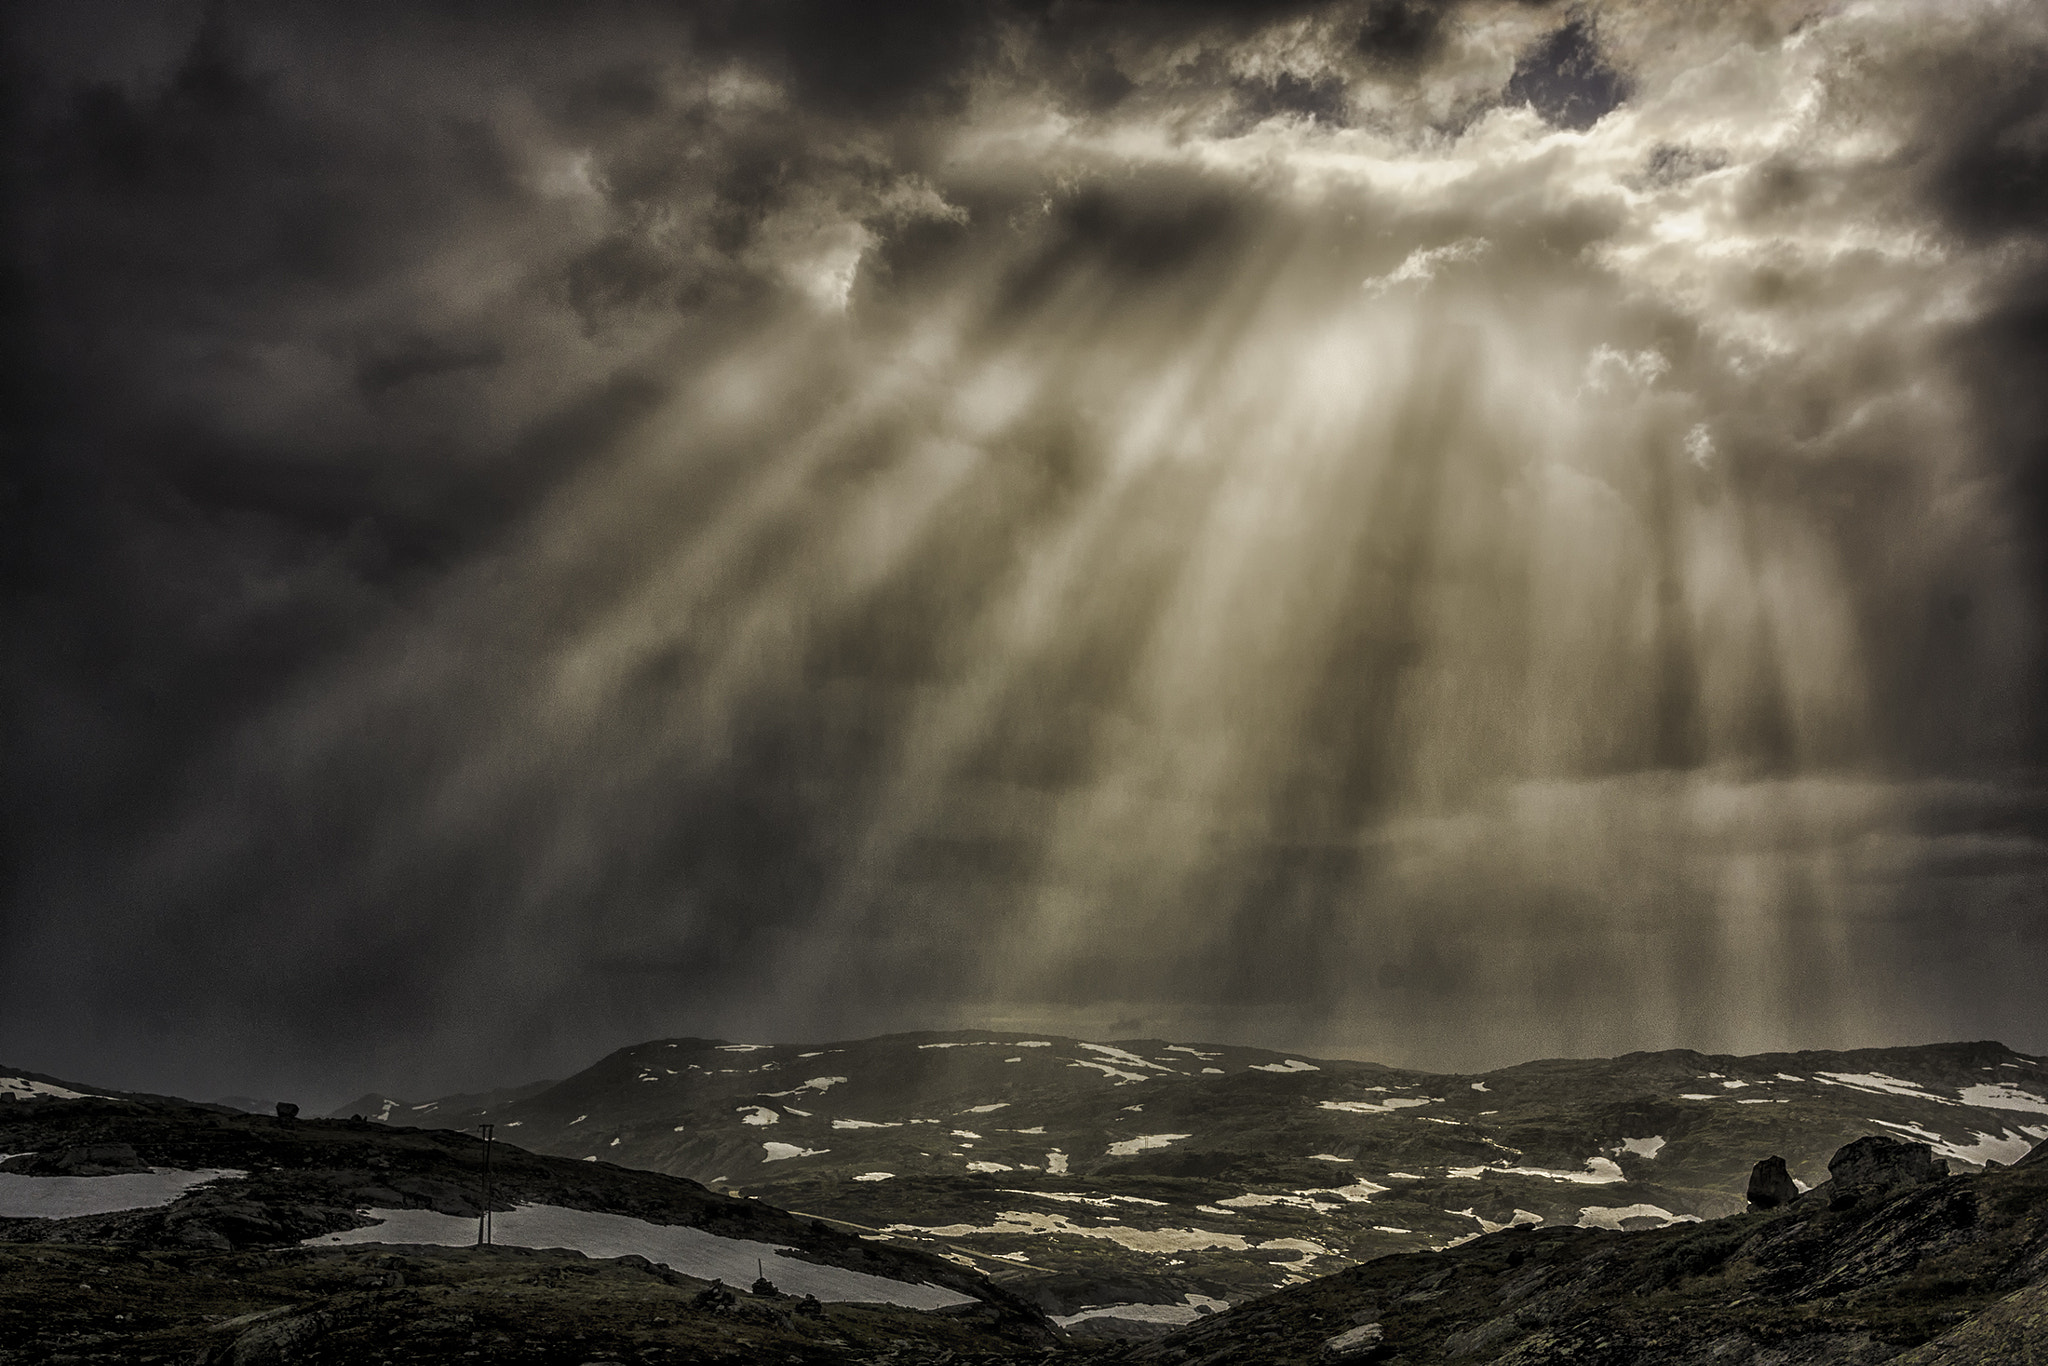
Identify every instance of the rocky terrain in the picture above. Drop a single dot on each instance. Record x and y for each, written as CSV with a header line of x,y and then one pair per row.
x,y
1893,1261
1128,1186
150,1230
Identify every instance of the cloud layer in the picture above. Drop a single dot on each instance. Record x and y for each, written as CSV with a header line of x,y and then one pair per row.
x,y
1443,532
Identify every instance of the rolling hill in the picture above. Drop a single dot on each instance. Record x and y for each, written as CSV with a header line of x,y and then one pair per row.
x,y
1145,1181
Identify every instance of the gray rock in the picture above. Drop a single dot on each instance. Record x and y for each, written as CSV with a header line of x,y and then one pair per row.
x,y
1879,1163
1771,1185
286,1111
1360,1344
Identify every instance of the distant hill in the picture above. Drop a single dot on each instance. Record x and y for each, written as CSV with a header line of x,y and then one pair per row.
x,y
1167,1178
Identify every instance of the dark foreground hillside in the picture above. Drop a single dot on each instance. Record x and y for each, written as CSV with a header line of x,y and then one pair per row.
x,y
218,1269
1949,1270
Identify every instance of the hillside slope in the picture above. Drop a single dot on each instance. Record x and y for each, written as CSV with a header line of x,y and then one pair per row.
x,y
194,1216
1177,1176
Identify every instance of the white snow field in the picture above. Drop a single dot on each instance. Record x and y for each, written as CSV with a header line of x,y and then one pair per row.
x,y
689,1251
1610,1216
68,1197
21,1088
1131,1147
2004,1098
1175,1315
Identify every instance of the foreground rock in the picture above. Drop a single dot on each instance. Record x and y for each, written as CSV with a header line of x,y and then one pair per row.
x,y
1770,1185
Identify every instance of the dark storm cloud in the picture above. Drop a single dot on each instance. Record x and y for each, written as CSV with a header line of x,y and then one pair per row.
x,y
1421,529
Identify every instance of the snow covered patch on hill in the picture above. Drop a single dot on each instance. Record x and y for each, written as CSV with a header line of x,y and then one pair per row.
x,y
1122,1055
1600,1171
690,1251
990,1043
1642,1147
1879,1082
1174,1315
758,1114
21,1088
1099,1201
876,1176
1617,1216
867,1124
1375,1107
1486,1225
1030,1222
1291,1065
70,1197
1144,1142
2004,1098
2007,1147
1118,1073
782,1152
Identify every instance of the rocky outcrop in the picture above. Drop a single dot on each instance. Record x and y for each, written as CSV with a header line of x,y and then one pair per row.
x,y
1771,1185
1360,1344
97,1159
1880,1163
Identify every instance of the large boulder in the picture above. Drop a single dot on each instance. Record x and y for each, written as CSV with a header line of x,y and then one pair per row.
x,y
1876,1164
1362,1343
1771,1185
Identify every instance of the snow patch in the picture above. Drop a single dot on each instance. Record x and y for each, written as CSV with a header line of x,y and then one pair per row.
x,y
1610,1216
867,1124
989,1167
1030,1222
1121,1055
1643,1147
1143,1143
1056,1163
70,1197
2003,1098
1099,1201
986,1109
782,1152
1107,1070
1291,1065
1486,1225
876,1176
1373,1107
1879,1082
690,1251
1172,1315
1600,1171
757,1114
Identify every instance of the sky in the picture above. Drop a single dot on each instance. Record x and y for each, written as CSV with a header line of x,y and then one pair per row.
x,y
1440,531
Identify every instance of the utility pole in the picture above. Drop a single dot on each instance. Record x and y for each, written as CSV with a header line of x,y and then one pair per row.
x,y
483,1220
